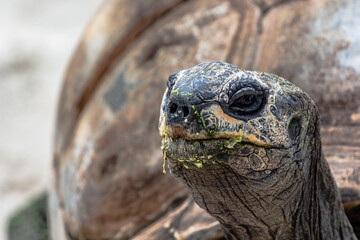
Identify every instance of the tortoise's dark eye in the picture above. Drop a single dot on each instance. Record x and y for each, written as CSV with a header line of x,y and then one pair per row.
x,y
246,100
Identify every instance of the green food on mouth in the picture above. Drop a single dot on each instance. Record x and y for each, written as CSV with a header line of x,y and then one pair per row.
x,y
164,162
231,143
195,159
211,133
163,148
198,164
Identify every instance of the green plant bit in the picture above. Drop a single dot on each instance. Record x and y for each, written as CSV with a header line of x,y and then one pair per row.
x,y
212,133
190,94
175,91
200,118
231,143
198,164
202,121
187,167
164,132
164,170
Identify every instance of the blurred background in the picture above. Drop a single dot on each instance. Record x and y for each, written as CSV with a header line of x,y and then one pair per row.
x,y
37,38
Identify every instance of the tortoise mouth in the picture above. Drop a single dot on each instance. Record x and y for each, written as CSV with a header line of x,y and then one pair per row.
x,y
205,147
209,154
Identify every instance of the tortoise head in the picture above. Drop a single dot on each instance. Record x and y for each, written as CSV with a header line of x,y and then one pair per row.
x,y
215,113
243,142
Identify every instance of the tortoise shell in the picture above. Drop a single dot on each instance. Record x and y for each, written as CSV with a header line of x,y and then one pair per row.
x,y
107,156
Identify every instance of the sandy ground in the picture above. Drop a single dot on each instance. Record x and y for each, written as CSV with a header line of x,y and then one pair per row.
x,y
37,38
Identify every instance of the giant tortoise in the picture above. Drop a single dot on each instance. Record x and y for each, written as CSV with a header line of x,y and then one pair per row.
x,y
107,159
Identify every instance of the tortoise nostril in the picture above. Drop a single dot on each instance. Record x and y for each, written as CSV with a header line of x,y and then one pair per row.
x,y
185,111
173,108
178,114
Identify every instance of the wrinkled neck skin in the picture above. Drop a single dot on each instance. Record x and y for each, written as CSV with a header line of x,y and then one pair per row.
x,y
299,200
321,214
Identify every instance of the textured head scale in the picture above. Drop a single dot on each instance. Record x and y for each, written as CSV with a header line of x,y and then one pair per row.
x,y
217,100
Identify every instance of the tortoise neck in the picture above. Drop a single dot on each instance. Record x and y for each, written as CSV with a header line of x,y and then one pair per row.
x,y
316,213
322,215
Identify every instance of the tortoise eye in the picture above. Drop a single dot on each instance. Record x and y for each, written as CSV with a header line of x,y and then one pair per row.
x,y
246,100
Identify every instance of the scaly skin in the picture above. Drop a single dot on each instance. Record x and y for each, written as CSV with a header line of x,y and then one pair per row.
x,y
247,144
